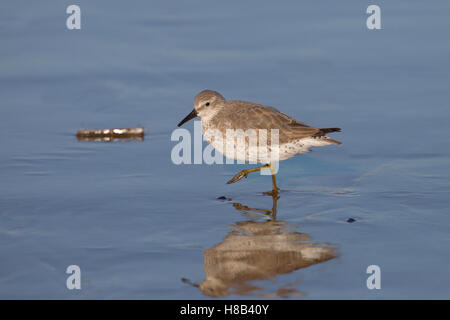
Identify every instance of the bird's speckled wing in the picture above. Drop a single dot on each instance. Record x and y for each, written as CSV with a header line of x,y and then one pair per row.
x,y
246,115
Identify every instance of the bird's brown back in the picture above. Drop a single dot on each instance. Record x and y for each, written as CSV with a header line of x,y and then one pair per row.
x,y
247,115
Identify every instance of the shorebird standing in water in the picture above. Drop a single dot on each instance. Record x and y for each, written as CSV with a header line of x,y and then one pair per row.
x,y
220,115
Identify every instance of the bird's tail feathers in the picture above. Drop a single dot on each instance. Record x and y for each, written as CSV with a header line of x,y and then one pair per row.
x,y
329,130
333,141
323,131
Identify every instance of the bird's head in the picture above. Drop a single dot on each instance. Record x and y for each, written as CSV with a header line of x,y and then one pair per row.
x,y
206,104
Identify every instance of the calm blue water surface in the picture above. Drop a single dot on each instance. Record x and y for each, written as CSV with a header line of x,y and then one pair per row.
x,y
136,224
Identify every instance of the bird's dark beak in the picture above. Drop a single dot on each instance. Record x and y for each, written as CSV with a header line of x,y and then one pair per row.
x,y
189,282
190,116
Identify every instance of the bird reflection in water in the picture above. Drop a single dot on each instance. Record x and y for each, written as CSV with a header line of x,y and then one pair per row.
x,y
259,250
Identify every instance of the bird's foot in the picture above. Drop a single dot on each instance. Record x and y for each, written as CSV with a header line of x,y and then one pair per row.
x,y
274,193
238,176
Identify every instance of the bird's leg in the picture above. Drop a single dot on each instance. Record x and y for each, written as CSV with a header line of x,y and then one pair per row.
x,y
244,173
275,198
274,182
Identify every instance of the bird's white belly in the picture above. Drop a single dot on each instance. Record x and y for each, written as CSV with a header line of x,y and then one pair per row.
x,y
243,151
292,148
258,154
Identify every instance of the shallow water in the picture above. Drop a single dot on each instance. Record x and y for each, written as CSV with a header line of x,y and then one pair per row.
x,y
137,224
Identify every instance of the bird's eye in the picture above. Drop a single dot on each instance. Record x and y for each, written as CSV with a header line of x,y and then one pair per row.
x,y
207,104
